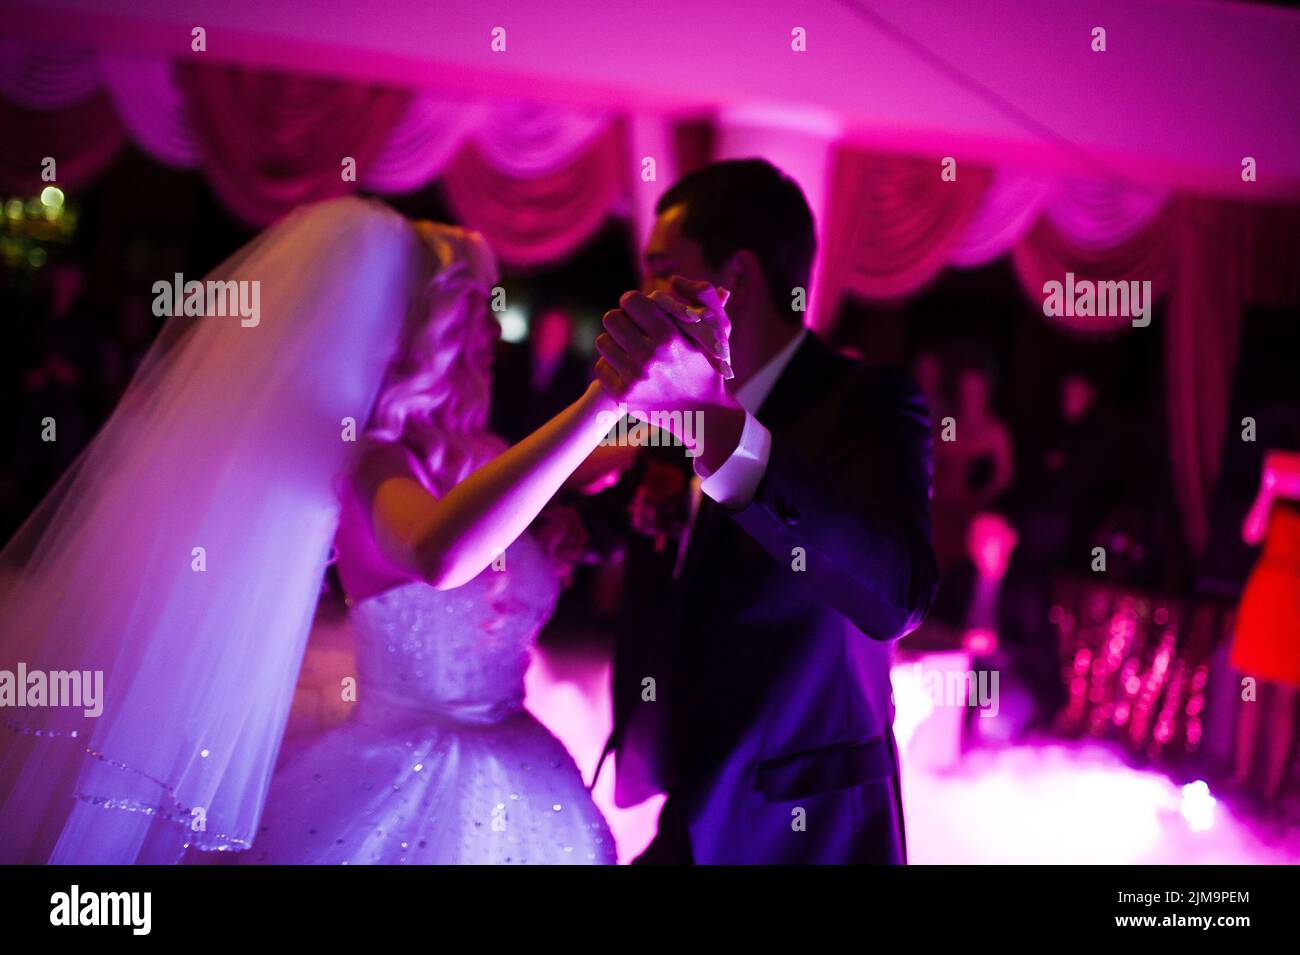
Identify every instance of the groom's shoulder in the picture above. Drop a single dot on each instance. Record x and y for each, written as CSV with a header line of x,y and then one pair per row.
x,y
860,391
849,368
881,385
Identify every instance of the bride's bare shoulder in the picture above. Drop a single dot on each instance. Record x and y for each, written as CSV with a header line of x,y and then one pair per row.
x,y
387,490
381,461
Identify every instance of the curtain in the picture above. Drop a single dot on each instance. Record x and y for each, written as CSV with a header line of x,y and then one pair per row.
x,y
533,220
271,142
892,225
1212,244
537,180
81,139
1046,254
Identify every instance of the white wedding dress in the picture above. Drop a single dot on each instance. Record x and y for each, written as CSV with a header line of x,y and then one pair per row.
x,y
440,762
181,558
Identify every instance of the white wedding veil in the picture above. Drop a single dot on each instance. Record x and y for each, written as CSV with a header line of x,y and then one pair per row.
x,y
231,438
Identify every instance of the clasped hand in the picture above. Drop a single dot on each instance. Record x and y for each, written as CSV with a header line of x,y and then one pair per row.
x,y
666,351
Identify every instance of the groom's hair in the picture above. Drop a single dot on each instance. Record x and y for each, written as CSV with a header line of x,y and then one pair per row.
x,y
749,204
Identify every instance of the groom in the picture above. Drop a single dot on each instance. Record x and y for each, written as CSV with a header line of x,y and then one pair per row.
x,y
754,685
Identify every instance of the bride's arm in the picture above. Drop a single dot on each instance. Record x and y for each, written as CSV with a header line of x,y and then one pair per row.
x,y
448,541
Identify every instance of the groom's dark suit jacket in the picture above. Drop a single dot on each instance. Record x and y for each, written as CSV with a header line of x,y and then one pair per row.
x,y
771,650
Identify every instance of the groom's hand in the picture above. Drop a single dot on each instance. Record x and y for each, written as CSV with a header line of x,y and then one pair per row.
x,y
700,311
647,362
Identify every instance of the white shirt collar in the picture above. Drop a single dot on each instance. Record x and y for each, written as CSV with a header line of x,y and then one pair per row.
x,y
754,392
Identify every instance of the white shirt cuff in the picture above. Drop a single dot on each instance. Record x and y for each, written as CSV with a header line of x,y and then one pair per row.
x,y
734,484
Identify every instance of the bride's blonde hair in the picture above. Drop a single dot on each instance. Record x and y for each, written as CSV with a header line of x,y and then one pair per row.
x,y
436,391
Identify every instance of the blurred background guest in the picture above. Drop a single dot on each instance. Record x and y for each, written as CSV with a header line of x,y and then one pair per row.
x,y
972,464
1266,644
973,467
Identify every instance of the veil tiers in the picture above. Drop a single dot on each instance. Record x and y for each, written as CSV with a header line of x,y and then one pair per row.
x,y
230,439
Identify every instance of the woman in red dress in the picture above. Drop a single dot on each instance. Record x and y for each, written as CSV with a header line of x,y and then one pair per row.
x,y
1266,646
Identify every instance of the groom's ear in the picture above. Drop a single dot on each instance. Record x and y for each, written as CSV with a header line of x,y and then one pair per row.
x,y
741,274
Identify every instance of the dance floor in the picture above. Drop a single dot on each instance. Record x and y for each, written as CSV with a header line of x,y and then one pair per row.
x,y
1078,805
1038,804
1046,803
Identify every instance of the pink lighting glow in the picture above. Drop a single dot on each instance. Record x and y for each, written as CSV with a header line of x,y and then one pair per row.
x,y
1060,719
1057,804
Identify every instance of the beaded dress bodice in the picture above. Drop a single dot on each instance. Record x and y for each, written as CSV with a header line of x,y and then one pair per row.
x,y
457,654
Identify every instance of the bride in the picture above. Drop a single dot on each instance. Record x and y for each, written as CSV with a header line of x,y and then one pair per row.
x,y
181,556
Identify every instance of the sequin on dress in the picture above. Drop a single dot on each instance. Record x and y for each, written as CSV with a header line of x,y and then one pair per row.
x,y
440,763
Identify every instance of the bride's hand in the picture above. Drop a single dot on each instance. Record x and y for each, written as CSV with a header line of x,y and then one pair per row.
x,y
700,310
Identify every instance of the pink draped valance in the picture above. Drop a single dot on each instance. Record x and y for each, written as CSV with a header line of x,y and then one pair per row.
x,y
533,220
269,142
1046,254
81,139
891,224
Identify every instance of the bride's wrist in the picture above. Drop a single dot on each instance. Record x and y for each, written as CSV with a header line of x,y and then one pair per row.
x,y
598,397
